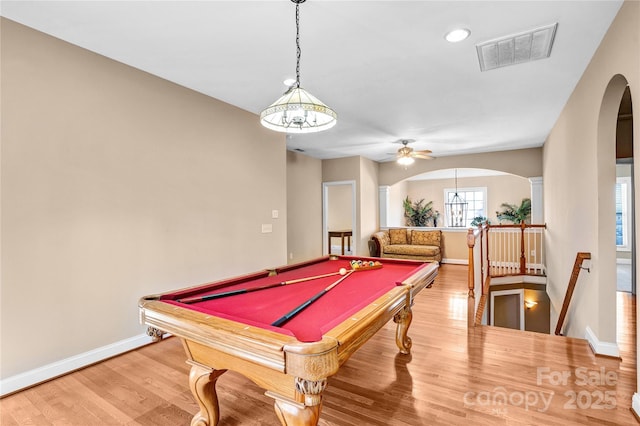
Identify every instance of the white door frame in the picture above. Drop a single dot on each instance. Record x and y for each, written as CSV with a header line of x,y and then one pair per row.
x,y
519,292
325,214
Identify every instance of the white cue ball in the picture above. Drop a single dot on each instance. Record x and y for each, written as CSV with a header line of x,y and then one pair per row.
x,y
343,271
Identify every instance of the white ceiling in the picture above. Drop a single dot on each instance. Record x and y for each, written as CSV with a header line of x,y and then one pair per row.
x,y
383,66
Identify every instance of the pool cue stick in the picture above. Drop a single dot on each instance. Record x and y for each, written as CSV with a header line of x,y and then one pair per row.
x,y
196,299
286,317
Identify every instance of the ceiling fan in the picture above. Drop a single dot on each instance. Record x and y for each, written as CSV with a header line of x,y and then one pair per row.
x,y
406,155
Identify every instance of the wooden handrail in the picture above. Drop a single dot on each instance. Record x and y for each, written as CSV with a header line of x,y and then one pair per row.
x,y
580,257
518,226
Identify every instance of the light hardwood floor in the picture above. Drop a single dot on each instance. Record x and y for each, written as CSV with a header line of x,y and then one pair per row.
x,y
488,376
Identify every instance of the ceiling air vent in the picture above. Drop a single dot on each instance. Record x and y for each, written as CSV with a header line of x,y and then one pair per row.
x,y
516,49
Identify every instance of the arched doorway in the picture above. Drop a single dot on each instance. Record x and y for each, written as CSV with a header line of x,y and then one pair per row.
x,y
625,224
609,149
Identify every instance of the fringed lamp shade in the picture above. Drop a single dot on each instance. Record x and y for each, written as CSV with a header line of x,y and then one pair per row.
x,y
298,111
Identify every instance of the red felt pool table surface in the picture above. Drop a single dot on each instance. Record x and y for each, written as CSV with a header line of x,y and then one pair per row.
x,y
261,308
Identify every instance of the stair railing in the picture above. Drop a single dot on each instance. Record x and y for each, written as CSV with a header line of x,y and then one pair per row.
x,y
477,242
499,251
516,250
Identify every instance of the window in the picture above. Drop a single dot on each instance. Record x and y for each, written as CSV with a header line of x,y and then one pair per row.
x,y
476,199
623,208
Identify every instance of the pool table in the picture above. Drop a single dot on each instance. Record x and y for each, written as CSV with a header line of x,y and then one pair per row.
x,y
291,361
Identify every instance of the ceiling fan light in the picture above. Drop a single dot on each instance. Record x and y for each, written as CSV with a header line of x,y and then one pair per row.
x,y
405,161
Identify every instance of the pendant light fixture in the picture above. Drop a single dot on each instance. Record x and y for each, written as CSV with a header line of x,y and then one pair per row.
x,y
298,111
456,208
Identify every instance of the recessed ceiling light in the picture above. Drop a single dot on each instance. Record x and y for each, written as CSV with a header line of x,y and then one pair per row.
x,y
457,35
289,82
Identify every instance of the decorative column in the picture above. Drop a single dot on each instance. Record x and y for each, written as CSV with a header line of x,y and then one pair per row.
x,y
383,199
537,200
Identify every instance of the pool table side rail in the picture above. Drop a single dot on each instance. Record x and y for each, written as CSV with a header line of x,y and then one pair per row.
x,y
212,286
352,334
254,344
423,278
305,263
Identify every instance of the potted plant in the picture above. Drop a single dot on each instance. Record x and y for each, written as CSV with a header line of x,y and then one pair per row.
x,y
479,220
419,213
515,214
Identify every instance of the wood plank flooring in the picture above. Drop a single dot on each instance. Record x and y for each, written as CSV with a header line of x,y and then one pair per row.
x,y
488,376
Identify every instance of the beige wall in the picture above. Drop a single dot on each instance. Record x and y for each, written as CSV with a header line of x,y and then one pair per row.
x,y
369,204
397,194
579,171
454,245
505,188
117,184
500,189
522,162
304,207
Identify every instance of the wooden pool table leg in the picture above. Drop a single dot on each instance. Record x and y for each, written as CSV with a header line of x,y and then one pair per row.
x,y
403,319
292,413
202,382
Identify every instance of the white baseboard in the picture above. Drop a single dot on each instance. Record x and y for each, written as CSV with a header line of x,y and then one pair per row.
x,y
518,279
601,348
635,404
64,366
456,261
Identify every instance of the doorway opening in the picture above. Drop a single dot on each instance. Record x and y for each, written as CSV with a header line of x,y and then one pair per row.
x,y
625,205
339,217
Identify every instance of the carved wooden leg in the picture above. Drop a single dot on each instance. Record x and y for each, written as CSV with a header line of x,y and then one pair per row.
x,y
202,382
293,413
154,333
403,319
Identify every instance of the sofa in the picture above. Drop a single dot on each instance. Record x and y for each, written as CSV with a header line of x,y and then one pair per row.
x,y
403,243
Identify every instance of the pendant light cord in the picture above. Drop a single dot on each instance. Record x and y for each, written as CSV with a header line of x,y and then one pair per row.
x,y
456,174
298,51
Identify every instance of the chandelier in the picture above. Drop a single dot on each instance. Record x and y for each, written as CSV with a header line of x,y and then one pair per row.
x,y
456,208
298,111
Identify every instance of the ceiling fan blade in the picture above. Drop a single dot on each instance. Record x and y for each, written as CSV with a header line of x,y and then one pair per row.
x,y
422,156
424,151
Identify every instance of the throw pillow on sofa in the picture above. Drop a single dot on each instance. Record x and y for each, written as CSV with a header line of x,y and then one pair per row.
x,y
425,238
398,236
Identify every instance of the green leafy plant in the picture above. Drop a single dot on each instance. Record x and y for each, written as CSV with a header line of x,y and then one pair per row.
x,y
420,213
479,220
515,214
